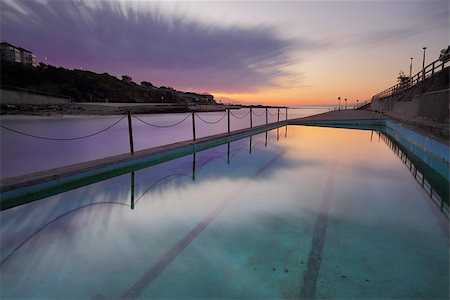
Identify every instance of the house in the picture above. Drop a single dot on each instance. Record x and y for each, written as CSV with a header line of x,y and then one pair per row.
x,y
27,57
11,53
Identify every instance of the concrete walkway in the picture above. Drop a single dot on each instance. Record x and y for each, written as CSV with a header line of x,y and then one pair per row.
x,y
338,115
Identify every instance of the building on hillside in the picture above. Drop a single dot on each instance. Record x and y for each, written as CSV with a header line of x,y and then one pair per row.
x,y
197,97
28,57
11,53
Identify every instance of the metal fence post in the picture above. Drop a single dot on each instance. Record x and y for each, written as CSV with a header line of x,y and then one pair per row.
x,y
251,117
130,133
286,114
267,118
193,125
228,112
278,117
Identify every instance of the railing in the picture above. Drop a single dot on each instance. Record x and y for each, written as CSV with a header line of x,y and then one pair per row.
x,y
433,68
34,92
193,118
350,106
361,104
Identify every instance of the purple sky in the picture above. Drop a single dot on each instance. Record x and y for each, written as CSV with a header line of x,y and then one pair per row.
x,y
270,50
148,46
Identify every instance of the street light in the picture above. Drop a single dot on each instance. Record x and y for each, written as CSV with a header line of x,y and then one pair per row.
x,y
54,61
346,103
423,63
357,103
339,99
410,69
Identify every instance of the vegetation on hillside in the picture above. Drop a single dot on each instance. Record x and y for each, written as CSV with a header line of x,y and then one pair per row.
x,y
86,86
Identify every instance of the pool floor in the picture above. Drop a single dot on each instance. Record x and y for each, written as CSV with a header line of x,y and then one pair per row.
x,y
305,213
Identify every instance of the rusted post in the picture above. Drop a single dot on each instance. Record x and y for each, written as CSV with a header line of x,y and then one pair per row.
x,y
251,117
228,112
130,133
278,117
193,125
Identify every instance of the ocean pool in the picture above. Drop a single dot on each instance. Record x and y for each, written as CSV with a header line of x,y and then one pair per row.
x,y
298,212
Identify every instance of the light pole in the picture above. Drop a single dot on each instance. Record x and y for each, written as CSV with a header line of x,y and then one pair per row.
x,y
410,69
345,103
54,61
357,103
339,99
423,63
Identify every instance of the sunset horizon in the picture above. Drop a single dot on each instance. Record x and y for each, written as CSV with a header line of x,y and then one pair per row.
x,y
284,53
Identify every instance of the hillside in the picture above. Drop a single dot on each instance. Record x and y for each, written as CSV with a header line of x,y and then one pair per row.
x,y
86,86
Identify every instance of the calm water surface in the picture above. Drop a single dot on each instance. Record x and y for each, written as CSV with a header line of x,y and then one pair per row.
x,y
22,154
323,212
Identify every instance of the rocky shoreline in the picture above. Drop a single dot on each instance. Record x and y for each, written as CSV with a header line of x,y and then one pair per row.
x,y
102,110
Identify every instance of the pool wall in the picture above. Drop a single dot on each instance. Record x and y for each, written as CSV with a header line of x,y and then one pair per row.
x,y
432,152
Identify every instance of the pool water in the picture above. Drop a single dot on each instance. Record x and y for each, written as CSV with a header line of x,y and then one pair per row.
x,y
299,212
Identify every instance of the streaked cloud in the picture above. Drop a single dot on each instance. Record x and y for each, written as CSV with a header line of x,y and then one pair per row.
x,y
184,53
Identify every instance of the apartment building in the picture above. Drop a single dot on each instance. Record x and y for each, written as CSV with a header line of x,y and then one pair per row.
x,y
11,53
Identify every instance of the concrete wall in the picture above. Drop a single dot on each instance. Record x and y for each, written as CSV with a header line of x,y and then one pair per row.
x,y
14,97
435,105
431,105
428,99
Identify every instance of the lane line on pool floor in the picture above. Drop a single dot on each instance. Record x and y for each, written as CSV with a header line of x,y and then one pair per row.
x,y
315,255
136,290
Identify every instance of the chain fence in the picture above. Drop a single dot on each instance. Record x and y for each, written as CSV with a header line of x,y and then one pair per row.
x,y
62,139
209,122
160,126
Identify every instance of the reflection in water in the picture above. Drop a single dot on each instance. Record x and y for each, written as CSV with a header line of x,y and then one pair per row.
x,y
436,187
132,190
53,221
223,224
195,171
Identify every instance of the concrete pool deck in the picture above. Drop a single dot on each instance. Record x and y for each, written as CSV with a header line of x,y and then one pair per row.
x,y
339,115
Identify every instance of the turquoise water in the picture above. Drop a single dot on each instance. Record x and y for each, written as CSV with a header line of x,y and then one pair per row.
x,y
319,213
